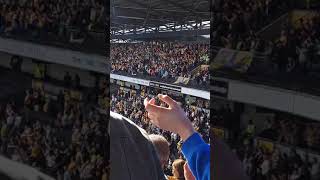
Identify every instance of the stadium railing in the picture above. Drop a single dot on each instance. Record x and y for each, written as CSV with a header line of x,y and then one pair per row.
x,y
205,94
164,80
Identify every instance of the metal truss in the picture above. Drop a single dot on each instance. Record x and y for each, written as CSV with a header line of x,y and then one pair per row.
x,y
136,17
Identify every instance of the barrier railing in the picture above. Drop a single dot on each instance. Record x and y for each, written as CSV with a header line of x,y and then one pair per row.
x,y
205,94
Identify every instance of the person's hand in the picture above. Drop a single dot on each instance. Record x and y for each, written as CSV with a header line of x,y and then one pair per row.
x,y
171,119
187,172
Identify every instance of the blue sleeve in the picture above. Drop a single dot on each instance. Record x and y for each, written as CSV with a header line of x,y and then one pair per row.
x,y
197,153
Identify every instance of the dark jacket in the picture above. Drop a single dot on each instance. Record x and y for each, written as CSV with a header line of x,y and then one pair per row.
x,y
224,163
11,170
132,155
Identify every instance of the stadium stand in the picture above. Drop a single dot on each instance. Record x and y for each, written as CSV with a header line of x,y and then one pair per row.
x,y
68,24
53,121
176,63
237,22
267,42
172,48
270,144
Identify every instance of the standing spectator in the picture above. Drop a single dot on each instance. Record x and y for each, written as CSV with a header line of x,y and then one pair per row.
x,y
67,79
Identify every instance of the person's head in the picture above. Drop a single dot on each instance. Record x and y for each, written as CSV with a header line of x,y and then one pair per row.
x,y
132,154
162,147
177,168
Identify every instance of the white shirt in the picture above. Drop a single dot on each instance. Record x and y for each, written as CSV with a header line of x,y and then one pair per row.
x,y
265,166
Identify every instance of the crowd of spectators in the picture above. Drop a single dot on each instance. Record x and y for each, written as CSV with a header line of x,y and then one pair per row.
x,y
293,132
275,162
238,21
262,164
294,51
64,138
66,19
130,104
162,60
202,77
297,46
286,148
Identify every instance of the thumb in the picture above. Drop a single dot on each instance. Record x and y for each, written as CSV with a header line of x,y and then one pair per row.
x,y
167,99
151,108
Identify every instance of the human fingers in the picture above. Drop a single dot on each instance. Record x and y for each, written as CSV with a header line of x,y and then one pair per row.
x,y
153,101
167,99
152,108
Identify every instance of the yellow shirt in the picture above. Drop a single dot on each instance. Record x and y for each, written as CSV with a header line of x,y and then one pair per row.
x,y
37,72
104,176
35,152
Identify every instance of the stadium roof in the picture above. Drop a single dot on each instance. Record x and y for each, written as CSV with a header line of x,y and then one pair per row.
x,y
147,16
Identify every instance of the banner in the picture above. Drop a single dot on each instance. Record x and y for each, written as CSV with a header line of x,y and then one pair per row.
x,y
182,80
165,86
232,59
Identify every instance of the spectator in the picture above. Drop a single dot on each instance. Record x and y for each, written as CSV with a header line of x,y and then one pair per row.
x,y
141,161
162,147
77,81
67,79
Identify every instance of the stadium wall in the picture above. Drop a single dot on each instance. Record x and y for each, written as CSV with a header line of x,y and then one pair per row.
x,y
297,103
92,62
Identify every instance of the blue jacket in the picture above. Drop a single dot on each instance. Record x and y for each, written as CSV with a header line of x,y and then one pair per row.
x,y
197,153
